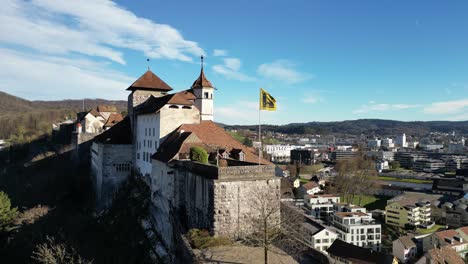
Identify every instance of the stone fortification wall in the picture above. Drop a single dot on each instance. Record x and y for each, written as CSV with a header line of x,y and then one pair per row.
x,y
111,166
237,204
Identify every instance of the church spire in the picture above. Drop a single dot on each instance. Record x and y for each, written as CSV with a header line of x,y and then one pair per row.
x,y
202,81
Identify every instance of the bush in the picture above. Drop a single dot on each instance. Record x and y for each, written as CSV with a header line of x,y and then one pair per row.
x,y
52,252
198,154
7,214
201,239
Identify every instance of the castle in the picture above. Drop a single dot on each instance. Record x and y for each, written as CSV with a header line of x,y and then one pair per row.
x,y
155,141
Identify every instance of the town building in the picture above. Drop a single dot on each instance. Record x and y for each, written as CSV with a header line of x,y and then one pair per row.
x,y
318,236
311,188
374,143
343,155
303,157
321,206
452,187
358,228
280,153
404,248
388,143
453,238
411,209
401,141
429,165
407,159
444,255
341,252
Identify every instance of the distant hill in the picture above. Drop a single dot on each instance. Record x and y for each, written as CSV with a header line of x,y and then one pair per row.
x,y
10,103
365,126
22,119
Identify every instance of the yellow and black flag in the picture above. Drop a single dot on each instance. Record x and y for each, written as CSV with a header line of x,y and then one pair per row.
x,y
267,102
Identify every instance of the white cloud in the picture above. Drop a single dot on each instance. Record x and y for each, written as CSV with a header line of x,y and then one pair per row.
x,y
312,97
230,70
447,107
88,27
232,63
311,100
220,53
44,77
375,107
282,70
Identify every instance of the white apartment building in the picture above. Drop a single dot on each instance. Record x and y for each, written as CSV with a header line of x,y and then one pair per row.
x,y
401,141
321,206
358,228
280,153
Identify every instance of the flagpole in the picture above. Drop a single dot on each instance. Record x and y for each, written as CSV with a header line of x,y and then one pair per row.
x,y
260,129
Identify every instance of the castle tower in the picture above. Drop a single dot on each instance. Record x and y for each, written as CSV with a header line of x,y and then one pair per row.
x,y
149,84
203,91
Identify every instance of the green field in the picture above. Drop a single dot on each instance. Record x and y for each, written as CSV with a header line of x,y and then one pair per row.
x,y
370,202
435,228
386,178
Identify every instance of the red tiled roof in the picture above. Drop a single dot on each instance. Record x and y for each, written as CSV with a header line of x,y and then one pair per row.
x,y
464,230
449,234
207,135
444,255
188,94
180,99
212,135
149,81
113,119
310,185
202,81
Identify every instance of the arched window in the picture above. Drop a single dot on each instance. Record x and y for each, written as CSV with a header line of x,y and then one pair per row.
x,y
206,95
174,106
186,107
211,96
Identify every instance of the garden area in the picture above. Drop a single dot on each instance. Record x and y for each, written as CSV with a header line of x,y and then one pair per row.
x,y
370,202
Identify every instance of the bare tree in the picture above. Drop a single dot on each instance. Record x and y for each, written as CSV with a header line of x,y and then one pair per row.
x,y
274,225
52,252
356,178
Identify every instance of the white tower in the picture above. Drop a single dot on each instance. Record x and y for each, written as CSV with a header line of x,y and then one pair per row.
x,y
401,141
203,91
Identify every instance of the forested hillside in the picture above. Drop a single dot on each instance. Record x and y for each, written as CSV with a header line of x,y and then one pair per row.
x,y
366,126
22,120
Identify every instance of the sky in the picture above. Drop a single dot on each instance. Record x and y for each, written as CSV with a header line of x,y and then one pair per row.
x,y
322,60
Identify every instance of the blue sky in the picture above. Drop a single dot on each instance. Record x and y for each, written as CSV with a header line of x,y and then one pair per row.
x,y
322,60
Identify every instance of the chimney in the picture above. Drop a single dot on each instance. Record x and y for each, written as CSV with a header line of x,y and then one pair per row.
x,y
78,128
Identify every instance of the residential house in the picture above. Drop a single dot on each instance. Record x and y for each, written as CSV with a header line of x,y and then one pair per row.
x,y
341,252
319,236
311,188
404,248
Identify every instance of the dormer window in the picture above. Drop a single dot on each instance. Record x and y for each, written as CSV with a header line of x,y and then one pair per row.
x,y
241,156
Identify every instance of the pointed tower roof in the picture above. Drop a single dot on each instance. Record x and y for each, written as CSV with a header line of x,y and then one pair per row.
x,y
149,81
202,81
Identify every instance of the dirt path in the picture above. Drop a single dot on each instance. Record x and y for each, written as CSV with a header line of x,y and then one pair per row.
x,y
238,254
